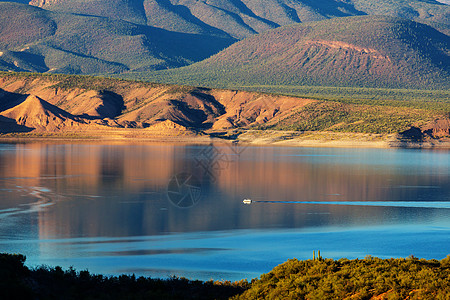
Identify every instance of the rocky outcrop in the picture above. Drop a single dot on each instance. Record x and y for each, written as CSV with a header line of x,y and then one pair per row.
x,y
438,128
35,113
49,107
97,105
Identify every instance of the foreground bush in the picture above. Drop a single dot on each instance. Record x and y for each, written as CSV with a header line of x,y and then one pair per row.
x,y
19,282
369,278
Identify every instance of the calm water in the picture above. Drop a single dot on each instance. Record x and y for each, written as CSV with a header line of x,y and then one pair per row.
x,y
162,209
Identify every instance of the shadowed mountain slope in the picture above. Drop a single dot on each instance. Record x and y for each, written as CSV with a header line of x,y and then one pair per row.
x,y
131,11
120,36
242,18
365,51
32,39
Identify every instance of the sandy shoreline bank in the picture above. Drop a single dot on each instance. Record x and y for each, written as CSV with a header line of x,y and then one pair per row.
x,y
249,137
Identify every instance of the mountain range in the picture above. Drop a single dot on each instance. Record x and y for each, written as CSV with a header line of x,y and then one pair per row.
x,y
371,51
141,38
37,40
243,18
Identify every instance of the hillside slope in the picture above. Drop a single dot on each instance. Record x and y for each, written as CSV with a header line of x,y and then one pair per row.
x,y
365,51
35,113
33,39
368,278
106,107
122,36
243,18
138,105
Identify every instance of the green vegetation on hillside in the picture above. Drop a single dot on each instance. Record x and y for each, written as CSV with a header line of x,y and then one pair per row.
x,y
33,39
357,110
66,82
363,51
245,17
19,282
363,110
417,98
376,96
119,36
359,118
409,278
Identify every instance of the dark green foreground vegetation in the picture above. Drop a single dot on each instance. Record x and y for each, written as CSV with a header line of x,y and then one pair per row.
x,y
409,278
19,282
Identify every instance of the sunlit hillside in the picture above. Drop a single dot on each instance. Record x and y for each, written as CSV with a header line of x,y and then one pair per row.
x,y
366,51
37,40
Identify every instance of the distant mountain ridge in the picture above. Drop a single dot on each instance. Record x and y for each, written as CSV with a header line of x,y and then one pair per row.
x,y
37,40
142,38
371,51
243,18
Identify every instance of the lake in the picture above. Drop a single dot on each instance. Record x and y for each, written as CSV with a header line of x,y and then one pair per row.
x,y
171,209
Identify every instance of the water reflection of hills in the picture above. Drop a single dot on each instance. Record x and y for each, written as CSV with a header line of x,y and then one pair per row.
x,y
118,190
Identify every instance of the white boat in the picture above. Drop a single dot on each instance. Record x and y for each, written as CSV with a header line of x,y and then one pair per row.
x,y
247,201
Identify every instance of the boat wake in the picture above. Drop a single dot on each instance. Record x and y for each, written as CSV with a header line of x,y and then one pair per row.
x,y
412,204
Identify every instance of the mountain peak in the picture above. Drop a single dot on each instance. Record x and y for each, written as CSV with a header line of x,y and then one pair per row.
x,y
36,113
363,51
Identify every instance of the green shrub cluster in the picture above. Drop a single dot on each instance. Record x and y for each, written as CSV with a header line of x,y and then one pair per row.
x,y
408,278
62,81
426,99
343,117
19,282
319,278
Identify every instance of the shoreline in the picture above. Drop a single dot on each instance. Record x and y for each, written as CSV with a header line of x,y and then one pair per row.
x,y
319,139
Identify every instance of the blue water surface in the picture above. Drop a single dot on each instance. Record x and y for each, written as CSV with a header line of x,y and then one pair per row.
x,y
170,209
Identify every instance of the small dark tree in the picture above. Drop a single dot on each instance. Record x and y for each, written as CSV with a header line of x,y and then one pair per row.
x,y
13,274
